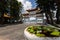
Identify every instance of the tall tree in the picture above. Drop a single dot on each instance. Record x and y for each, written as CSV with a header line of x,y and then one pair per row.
x,y
3,9
58,11
15,10
46,5
12,7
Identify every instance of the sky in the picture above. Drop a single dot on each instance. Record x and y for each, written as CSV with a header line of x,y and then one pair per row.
x,y
27,4
33,3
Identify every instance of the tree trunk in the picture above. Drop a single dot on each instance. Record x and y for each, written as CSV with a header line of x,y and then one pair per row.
x,y
2,17
58,15
49,17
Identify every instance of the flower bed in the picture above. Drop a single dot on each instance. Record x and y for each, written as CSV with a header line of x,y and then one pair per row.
x,y
42,32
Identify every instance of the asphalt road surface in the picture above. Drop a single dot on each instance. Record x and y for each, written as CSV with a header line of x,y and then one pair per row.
x,y
13,32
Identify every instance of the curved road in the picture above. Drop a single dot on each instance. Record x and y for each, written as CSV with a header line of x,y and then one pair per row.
x,y
13,32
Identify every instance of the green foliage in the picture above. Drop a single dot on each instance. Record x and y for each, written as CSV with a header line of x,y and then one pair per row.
x,y
56,33
42,31
31,29
12,7
15,8
47,6
40,35
3,7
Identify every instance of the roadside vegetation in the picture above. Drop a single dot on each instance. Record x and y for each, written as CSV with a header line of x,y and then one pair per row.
x,y
10,11
48,7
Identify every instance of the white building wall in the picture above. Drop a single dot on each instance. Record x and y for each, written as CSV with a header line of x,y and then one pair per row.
x,y
33,19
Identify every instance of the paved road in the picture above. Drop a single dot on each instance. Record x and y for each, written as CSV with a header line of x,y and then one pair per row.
x,y
13,32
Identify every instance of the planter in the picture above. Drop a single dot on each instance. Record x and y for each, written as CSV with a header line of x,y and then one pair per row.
x,y
31,36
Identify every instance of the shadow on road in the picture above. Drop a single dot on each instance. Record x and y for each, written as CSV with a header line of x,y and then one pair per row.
x,y
2,25
7,24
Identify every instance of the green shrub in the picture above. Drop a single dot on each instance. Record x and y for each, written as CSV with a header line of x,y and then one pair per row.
x,y
43,31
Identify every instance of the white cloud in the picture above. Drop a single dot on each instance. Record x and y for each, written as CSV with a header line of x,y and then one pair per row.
x,y
26,4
